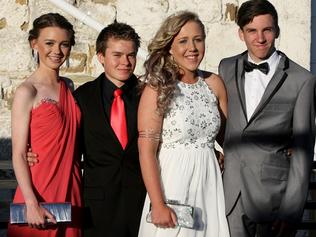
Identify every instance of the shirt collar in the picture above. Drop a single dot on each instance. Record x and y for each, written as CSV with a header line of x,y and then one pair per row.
x,y
109,87
272,60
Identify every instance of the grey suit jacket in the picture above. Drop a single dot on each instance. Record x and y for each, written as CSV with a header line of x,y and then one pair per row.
x,y
273,184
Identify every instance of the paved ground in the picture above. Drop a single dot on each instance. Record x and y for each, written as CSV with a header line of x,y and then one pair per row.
x,y
3,233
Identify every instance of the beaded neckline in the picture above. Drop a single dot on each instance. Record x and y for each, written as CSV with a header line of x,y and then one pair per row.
x,y
45,101
193,85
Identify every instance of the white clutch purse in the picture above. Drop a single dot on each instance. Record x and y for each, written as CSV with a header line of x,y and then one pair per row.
x,y
60,210
183,212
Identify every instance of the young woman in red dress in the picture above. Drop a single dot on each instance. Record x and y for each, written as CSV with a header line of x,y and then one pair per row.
x,y
45,116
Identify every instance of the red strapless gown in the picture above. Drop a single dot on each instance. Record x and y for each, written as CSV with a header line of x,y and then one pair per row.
x,y
57,178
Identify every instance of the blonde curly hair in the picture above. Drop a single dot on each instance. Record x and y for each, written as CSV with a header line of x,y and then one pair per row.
x,y
161,71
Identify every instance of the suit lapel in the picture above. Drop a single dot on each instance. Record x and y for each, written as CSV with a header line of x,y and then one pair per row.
x,y
132,111
273,86
240,84
132,125
98,100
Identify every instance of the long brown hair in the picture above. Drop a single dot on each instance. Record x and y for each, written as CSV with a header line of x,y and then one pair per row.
x,y
162,72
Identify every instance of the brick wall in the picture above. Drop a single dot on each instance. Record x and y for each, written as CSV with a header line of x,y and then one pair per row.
x,y
16,17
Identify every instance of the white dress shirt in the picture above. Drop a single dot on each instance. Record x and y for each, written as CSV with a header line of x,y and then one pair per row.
x,y
256,82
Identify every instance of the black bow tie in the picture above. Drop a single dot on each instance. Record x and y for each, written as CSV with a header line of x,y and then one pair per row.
x,y
263,67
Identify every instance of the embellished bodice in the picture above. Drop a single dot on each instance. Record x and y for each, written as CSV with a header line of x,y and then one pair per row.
x,y
193,119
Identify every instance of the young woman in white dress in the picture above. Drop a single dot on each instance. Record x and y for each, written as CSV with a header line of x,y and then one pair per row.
x,y
181,113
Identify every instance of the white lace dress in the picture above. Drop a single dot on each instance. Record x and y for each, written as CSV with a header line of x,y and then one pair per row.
x,y
189,169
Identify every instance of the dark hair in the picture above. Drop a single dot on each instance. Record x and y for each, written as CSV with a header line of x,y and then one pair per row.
x,y
116,30
48,20
252,8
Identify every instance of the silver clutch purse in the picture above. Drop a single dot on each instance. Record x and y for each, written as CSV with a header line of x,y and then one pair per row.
x,y
183,212
60,210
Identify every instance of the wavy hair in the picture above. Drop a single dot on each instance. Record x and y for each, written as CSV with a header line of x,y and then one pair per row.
x,y
161,71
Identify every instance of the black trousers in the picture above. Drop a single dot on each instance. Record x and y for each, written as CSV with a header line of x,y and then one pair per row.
x,y
109,219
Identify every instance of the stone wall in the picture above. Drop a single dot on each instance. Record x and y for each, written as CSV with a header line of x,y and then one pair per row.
x,y
16,18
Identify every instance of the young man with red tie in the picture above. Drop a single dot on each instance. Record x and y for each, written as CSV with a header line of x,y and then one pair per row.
x,y
113,187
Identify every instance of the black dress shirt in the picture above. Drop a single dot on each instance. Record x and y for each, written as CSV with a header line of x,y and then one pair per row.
x,y
108,89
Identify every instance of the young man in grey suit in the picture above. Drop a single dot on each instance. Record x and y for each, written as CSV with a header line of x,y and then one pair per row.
x,y
270,130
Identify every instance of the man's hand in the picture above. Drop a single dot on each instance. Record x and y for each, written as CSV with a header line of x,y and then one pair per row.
x,y
31,157
283,229
220,159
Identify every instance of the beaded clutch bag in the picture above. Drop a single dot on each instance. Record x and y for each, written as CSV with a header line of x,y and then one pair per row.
x,y
183,212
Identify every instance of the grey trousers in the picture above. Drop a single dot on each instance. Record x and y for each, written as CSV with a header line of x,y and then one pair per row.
x,y
241,226
238,222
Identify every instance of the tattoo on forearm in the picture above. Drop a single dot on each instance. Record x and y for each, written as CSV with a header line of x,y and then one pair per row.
x,y
149,134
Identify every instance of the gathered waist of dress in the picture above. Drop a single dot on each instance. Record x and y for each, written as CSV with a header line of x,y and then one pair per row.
x,y
182,146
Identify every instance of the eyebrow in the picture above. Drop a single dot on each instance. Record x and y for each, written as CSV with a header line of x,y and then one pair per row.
x,y
119,52
185,37
52,40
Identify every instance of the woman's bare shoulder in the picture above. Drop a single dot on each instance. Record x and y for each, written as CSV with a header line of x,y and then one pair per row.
x,y
26,89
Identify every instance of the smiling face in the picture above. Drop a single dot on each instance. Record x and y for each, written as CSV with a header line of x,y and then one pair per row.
x,y
119,60
188,47
53,46
259,36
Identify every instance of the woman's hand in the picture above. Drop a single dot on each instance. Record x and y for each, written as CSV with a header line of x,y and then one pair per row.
x,y
38,217
163,216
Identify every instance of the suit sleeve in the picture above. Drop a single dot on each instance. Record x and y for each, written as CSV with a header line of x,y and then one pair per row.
x,y
220,69
76,95
293,201
79,94
81,147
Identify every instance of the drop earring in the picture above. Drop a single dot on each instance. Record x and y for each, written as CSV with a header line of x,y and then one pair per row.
x,y
67,62
35,56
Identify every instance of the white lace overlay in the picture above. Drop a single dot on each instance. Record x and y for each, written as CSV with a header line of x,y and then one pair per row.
x,y
188,166
193,120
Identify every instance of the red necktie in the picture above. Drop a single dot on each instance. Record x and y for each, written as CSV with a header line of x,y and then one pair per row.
x,y
118,118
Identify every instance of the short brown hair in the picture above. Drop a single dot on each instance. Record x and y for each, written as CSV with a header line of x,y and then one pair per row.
x,y
252,8
116,30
